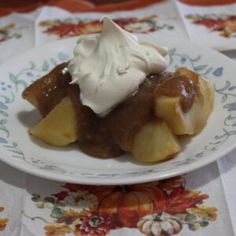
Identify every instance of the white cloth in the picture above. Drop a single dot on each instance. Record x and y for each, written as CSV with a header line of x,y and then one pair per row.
x,y
220,39
17,188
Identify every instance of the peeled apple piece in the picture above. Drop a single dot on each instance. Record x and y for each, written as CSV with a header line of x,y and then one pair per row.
x,y
59,127
155,142
192,122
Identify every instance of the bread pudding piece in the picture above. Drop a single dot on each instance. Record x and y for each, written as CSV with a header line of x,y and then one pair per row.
x,y
47,91
147,123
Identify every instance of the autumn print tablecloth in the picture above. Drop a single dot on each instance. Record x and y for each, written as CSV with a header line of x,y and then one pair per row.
x,y
193,204
199,203
211,25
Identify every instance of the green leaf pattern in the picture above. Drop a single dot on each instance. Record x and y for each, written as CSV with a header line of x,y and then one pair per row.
x,y
13,86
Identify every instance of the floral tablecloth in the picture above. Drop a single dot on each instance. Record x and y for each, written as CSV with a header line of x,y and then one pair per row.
x,y
198,203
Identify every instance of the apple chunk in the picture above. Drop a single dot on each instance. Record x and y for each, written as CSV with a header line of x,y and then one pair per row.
x,y
155,142
59,127
193,121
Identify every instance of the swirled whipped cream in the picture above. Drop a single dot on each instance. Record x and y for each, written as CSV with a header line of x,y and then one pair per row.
x,y
110,67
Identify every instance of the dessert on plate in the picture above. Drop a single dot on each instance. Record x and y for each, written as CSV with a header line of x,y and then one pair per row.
x,y
116,96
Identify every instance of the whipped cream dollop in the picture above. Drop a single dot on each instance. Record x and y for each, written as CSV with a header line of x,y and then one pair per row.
x,y
110,67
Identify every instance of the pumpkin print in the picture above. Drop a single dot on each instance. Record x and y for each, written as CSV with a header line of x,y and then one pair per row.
x,y
160,208
161,224
130,203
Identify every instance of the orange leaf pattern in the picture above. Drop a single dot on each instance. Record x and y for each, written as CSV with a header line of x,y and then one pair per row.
x,y
3,221
76,26
96,210
225,25
6,32
56,230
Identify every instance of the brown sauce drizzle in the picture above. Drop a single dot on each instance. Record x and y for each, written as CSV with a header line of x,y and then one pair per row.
x,y
114,134
50,89
94,135
178,86
128,117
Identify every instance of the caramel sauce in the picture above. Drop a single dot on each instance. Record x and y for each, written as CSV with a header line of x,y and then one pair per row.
x,y
50,89
94,134
113,134
178,86
128,117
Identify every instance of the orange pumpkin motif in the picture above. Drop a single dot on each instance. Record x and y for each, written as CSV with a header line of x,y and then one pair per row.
x,y
130,203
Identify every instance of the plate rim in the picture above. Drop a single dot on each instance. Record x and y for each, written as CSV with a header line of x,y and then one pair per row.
x,y
129,180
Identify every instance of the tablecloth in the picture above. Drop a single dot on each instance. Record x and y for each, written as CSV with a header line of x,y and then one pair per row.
x,y
198,203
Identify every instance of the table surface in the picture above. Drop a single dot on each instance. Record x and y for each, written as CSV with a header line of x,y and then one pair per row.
x,y
199,203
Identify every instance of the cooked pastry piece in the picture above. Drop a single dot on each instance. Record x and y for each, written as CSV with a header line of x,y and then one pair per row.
x,y
47,91
59,126
187,109
145,124
95,138
155,142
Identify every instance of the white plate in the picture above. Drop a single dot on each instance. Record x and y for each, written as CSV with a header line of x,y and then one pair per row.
x,y
70,165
